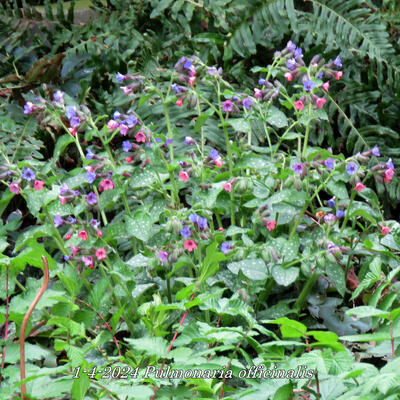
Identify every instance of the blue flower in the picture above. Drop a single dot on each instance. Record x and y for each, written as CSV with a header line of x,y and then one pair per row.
x,y
116,115
188,64
214,154
176,87
262,81
72,220
225,247
57,221
131,121
89,154
298,168
389,163
290,46
375,151
64,189
168,141
94,223
70,112
309,85
91,198
329,163
120,77
337,62
28,174
185,232
320,75
202,222
58,96
193,217
90,176
331,202
247,103
28,108
352,168
75,122
66,258
126,146
298,52
189,140
340,213
291,64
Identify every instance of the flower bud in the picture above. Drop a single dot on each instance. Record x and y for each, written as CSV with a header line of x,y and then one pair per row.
x,y
266,256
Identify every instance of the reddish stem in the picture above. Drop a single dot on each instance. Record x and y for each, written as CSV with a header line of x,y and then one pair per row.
x,y
6,332
391,335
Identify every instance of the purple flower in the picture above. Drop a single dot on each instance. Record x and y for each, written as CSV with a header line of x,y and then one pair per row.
x,y
168,141
337,62
28,175
298,168
329,163
185,232
375,151
247,103
90,176
189,140
214,154
331,202
329,218
320,75
213,71
227,106
225,247
29,107
77,193
126,146
340,213
88,261
352,168
71,112
66,258
75,122
57,221
72,220
333,247
120,77
91,198
290,46
262,81
291,64
59,96
123,129
298,52
193,217
89,154
389,164
188,64
163,256
202,222
309,85
176,87
131,121
64,189
94,223
116,115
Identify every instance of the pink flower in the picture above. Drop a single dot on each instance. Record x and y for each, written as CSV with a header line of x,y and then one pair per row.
x,y
14,187
82,234
74,250
106,184
359,186
191,80
140,137
385,230
62,199
88,261
288,76
221,229
38,185
129,159
123,129
218,162
126,89
388,175
257,93
320,102
338,75
183,176
190,245
99,233
179,102
228,186
298,105
72,131
325,86
101,254
271,225
67,236
112,125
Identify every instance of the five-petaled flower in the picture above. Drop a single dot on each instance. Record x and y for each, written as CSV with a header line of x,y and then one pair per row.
x,y
28,174
325,86
352,168
183,176
298,168
106,184
298,105
38,185
388,175
140,137
385,230
91,198
88,261
82,234
101,254
320,102
163,256
227,106
190,245
14,187
225,247
359,187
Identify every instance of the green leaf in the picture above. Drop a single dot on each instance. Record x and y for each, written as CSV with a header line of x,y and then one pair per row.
x,y
290,328
109,198
139,226
337,189
240,125
80,387
62,143
200,121
138,261
97,293
162,5
154,346
336,274
252,268
367,311
277,118
284,276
